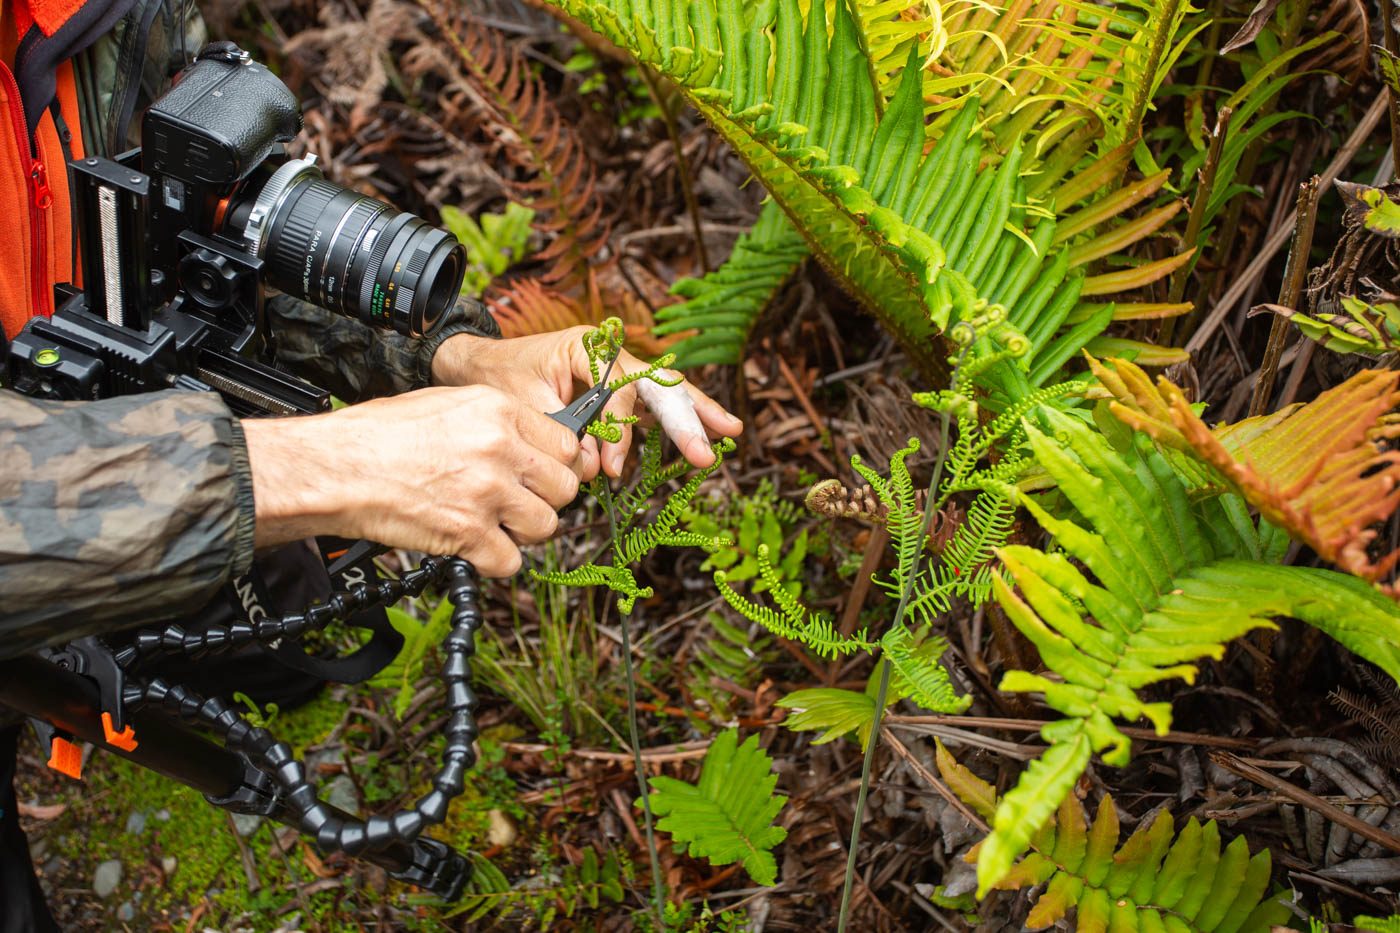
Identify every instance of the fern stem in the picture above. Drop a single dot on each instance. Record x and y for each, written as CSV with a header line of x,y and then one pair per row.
x,y
657,893
905,592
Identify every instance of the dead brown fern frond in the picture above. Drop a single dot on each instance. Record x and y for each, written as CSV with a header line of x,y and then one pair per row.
x,y
530,307
492,90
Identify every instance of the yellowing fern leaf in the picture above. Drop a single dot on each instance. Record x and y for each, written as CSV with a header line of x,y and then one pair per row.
x,y
1154,881
1320,470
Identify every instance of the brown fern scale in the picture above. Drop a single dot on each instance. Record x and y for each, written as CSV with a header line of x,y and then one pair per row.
x,y
496,89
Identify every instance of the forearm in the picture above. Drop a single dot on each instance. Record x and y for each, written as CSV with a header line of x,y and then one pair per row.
x,y
117,511
356,362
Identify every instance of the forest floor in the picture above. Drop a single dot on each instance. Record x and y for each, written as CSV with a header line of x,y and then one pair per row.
x,y
820,383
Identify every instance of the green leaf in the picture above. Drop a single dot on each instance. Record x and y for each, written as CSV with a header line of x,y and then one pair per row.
x,y
831,711
1171,583
727,817
402,673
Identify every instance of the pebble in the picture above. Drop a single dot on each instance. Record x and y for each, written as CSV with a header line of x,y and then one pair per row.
x,y
246,823
169,864
126,913
136,823
107,877
163,815
500,830
341,793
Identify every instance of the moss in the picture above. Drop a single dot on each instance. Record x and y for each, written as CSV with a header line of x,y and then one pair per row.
x,y
202,840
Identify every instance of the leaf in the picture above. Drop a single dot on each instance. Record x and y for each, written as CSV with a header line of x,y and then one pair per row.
x,y
1388,65
1370,207
1146,581
1321,470
831,711
1254,24
727,817
1153,881
402,673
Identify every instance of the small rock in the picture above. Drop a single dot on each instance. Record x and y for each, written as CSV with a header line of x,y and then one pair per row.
x,y
501,831
163,815
136,823
52,866
292,924
341,793
126,913
107,877
169,864
246,823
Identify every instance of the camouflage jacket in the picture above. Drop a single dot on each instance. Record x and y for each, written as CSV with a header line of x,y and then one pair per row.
x,y
138,508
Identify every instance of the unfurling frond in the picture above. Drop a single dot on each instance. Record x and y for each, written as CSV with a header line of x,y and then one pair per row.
x,y
1321,471
1173,580
1154,881
728,816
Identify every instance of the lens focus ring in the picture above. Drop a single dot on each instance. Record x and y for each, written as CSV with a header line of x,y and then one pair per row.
x,y
357,256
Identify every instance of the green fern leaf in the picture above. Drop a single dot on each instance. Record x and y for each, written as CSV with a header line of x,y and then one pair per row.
x,y
728,816
724,305
1378,924
831,711
918,674
1174,584
1152,882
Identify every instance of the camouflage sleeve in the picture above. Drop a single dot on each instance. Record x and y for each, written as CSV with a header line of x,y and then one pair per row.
x,y
355,362
116,512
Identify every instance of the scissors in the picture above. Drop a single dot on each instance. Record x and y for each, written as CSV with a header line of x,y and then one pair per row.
x,y
586,409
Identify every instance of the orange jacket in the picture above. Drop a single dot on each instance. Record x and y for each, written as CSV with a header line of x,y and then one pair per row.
x,y
40,135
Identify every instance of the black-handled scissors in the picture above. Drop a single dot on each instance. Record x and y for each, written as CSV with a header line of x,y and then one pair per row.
x,y
587,408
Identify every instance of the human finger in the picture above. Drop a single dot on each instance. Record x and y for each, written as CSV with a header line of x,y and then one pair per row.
x,y
494,554
528,519
554,482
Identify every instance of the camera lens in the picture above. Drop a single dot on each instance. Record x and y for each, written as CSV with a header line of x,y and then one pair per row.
x,y
350,253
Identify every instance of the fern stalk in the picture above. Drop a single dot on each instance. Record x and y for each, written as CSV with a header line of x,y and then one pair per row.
x,y
657,894
906,591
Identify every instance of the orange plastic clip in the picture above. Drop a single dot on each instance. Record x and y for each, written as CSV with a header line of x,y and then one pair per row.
x,y
66,758
124,740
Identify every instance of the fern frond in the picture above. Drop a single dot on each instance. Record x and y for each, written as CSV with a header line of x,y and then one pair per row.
x,y
527,306
1153,881
917,673
1321,470
1174,584
923,239
723,306
1378,924
728,816
792,620
561,180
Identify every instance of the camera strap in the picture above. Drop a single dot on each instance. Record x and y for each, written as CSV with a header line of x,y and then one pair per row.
x,y
253,598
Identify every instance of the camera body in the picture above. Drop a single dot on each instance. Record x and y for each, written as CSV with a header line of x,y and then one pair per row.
x,y
181,239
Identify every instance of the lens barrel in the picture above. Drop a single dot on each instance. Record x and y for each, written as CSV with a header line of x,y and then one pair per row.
x,y
350,253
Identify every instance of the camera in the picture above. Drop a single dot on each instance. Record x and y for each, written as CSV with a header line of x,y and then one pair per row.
x,y
180,240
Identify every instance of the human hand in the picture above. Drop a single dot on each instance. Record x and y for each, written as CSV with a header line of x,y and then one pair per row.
x,y
467,471
547,370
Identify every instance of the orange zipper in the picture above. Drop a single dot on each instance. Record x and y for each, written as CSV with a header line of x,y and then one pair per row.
x,y
40,200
